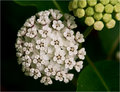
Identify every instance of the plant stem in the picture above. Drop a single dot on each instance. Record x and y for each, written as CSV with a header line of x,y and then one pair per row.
x,y
88,31
57,6
113,48
97,72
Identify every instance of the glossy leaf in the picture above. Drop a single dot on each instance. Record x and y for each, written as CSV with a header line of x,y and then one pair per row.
x,y
102,76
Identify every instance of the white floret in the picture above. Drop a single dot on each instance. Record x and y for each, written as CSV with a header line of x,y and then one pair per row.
x,y
50,70
55,14
69,63
79,37
60,76
31,32
82,53
46,80
68,77
72,49
79,66
57,25
59,56
45,31
30,22
69,34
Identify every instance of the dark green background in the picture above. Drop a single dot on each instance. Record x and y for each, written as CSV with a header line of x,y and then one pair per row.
x,y
13,17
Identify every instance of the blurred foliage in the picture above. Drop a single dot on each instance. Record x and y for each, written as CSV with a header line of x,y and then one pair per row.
x,y
98,46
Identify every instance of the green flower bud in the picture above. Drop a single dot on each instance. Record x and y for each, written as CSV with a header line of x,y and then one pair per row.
x,y
80,13
113,2
92,2
99,7
107,17
104,2
75,4
98,25
89,11
98,16
117,7
70,6
89,21
118,1
108,8
117,16
111,24
82,3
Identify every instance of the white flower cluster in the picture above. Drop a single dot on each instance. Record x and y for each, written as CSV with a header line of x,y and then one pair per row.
x,y
47,48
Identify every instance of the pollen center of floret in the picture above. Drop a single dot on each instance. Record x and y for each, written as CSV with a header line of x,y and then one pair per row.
x,y
57,25
39,60
41,44
56,42
72,49
50,70
45,32
69,63
58,57
68,35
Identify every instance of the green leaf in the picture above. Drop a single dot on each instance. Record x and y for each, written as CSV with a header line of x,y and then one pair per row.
x,y
45,5
40,5
109,37
101,76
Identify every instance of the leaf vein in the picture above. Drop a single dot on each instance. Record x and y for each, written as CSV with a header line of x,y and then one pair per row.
x,y
97,72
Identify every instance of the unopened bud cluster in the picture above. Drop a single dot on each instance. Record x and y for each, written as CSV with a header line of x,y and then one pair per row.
x,y
97,12
47,47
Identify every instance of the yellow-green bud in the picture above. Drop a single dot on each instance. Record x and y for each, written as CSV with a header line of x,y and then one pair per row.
x,y
117,7
104,2
80,12
118,1
92,2
82,3
111,24
107,17
98,25
89,11
75,4
108,8
89,21
99,7
98,16
113,2
70,6
117,16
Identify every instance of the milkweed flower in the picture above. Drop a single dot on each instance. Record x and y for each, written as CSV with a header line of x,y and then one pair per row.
x,y
47,47
96,12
